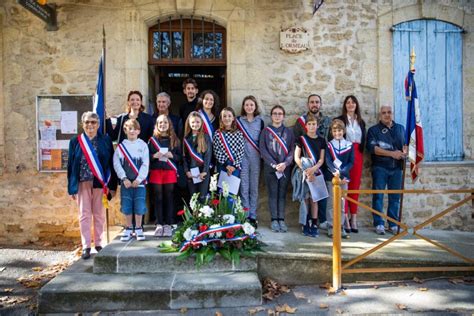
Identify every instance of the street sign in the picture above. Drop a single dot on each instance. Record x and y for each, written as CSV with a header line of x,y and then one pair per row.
x,y
46,12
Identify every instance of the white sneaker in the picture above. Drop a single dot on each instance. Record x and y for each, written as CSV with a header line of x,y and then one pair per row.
x,y
127,234
323,225
380,230
139,233
158,231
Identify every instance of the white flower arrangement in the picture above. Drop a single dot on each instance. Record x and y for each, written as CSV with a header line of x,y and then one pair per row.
x,y
229,218
206,211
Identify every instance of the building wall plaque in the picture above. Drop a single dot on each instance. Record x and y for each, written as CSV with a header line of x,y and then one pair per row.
x,y
294,39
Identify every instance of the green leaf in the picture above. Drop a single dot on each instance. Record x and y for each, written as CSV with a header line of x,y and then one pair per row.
x,y
225,253
236,256
199,258
185,254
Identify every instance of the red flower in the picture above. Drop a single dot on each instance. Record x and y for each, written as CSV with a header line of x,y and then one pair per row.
x,y
215,202
181,212
246,209
230,234
202,228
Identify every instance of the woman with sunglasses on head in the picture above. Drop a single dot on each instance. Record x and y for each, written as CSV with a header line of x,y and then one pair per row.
x,y
135,110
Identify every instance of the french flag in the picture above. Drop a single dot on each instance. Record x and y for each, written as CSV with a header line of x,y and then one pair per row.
x,y
99,106
414,130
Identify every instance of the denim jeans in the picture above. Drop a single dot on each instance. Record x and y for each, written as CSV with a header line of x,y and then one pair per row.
x,y
277,189
133,200
392,179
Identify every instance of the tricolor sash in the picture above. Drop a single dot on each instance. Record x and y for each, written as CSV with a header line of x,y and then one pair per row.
x,y
129,159
302,121
208,128
308,149
226,145
333,151
194,154
94,164
280,140
157,146
247,134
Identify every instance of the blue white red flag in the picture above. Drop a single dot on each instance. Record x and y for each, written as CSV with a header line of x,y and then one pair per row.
x,y
99,106
414,130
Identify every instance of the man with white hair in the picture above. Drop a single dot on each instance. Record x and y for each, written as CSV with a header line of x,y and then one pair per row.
x,y
385,142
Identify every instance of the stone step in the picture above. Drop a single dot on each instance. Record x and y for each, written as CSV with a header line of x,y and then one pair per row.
x,y
144,257
89,292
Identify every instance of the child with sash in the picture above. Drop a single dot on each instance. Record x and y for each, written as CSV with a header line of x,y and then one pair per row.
x,y
309,157
90,177
165,153
131,162
228,144
339,161
197,153
276,148
250,124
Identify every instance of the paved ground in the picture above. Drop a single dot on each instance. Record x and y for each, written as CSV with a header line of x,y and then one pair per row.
x,y
453,296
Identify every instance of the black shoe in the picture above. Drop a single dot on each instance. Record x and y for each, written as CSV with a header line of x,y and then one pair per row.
x,y
98,248
86,253
355,230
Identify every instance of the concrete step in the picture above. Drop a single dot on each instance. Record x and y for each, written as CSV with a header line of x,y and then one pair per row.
x,y
89,292
145,257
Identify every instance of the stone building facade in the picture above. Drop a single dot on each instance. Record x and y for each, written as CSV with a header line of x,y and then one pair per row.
x,y
351,53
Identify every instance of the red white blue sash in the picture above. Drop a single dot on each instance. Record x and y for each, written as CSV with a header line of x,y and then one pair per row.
x,y
308,149
194,154
280,140
226,145
129,159
335,152
247,135
208,128
170,163
93,161
302,121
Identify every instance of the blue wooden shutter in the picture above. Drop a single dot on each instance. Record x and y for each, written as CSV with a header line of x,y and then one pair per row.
x,y
438,48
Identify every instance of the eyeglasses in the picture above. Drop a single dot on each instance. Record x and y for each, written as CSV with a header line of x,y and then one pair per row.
x,y
278,113
90,122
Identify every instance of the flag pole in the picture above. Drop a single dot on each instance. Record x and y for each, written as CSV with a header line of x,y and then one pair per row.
x,y
412,68
103,123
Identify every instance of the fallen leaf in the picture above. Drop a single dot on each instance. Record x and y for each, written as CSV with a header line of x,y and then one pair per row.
x,y
2,269
284,289
37,269
343,293
417,280
326,286
253,311
285,309
402,307
339,311
183,310
323,306
8,290
218,313
299,295
332,291
423,289
271,312
456,281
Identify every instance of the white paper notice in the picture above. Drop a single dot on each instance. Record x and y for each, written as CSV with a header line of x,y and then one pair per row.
x,y
195,173
164,150
337,163
69,122
318,188
232,181
279,174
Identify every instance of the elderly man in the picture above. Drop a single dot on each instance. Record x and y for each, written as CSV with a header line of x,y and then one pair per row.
x,y
314,105
163,102
385,142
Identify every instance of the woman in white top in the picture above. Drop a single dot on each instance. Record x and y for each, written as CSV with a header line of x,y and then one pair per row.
x,y
355,133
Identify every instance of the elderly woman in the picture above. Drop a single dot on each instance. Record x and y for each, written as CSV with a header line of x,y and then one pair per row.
x,y
135,109
91,179
163,102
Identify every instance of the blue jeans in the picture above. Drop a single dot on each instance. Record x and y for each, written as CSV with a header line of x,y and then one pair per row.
x,y
392,179
133,200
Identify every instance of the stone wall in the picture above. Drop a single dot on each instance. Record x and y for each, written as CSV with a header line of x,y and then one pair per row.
x,y
350,54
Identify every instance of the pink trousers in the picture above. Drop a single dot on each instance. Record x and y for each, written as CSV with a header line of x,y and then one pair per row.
x,y
90,209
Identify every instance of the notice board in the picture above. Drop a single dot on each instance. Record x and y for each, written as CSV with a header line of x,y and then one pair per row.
x,y
58,119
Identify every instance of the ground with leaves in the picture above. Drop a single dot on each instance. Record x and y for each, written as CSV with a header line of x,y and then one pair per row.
x,y
24,271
